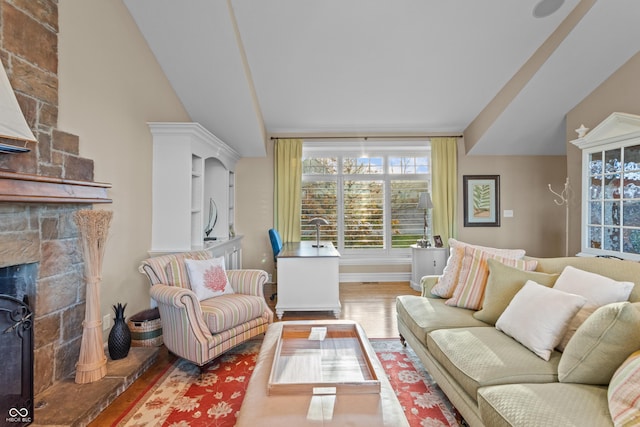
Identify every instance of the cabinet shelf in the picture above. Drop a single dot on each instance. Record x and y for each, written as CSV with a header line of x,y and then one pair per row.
x,y
201,168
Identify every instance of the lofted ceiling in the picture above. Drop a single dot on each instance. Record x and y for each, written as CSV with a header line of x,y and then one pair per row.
x,y
249,69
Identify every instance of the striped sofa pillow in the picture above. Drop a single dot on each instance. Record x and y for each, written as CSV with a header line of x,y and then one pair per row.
x,y
469,292
624,393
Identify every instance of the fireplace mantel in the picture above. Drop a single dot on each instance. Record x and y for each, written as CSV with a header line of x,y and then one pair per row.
x,y
26,188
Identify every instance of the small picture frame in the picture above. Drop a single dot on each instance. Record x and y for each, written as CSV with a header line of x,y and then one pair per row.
x,y
437,240
481,200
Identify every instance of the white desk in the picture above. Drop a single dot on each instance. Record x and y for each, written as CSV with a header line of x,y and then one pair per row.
x,y
308,278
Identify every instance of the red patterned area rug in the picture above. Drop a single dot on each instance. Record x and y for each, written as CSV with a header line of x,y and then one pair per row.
x,y
181,397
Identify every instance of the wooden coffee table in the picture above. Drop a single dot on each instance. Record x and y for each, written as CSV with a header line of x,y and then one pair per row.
x,y
270,403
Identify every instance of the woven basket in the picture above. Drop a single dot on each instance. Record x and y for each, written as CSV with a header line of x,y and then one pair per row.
x,y
146,328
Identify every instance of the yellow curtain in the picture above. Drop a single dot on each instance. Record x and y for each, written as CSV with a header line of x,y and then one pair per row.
x,y
287,188
444,159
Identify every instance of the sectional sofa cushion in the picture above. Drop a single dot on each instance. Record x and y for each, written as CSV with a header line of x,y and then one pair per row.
x,y
227,311
423,315
449,279
544,405
538,317
472,279
601,344
624,404
477,357
503,284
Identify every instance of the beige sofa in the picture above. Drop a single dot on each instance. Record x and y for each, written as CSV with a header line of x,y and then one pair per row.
x,y
494,380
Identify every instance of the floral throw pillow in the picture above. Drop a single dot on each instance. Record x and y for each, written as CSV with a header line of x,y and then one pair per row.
x,y
208,278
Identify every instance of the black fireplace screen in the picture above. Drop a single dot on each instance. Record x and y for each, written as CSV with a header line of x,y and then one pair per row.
x,y
16,362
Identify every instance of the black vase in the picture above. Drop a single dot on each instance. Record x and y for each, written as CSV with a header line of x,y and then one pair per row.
x,y
120,335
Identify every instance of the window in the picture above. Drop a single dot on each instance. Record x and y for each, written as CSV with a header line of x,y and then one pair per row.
x,y
369,194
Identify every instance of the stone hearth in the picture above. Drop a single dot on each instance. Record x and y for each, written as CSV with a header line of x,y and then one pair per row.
x,y
71,404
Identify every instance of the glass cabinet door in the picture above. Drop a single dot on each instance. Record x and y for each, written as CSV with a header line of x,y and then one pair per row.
x,y
613,218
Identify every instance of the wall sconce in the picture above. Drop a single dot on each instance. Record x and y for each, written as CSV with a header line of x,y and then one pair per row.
x,y
424,202
318,222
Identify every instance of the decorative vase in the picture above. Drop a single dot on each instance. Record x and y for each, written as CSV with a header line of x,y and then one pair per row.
x,y
120,335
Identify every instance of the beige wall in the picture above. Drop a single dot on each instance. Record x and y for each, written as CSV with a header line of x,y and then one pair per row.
x,y
537,225
254,209
110,87
620,93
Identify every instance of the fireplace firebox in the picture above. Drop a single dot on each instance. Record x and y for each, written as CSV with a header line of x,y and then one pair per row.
x,y
17,284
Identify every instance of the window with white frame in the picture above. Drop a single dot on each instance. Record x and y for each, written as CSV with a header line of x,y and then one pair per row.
x,y
368,192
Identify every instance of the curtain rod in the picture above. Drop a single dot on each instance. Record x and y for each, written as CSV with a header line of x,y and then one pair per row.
x,y
434,135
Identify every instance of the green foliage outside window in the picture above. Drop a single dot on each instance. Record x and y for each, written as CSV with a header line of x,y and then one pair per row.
x,y
364,184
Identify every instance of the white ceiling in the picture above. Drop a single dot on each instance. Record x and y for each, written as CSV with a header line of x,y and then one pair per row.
x,y
248,69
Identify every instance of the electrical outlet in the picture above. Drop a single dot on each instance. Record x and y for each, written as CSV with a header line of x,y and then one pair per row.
x,y
106,322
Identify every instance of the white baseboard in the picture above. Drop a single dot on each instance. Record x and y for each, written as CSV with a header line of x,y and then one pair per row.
x,y
374,277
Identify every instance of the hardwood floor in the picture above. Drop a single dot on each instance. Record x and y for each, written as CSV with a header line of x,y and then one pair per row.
x,y
372,305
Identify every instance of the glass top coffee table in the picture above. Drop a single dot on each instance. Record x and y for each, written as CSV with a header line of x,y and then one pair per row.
x,y
322,358
311,373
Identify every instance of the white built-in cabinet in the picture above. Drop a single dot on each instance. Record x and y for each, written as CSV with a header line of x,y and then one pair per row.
x,y
611,187
191,168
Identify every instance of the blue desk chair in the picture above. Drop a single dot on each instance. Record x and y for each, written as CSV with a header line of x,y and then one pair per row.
x,y
276,246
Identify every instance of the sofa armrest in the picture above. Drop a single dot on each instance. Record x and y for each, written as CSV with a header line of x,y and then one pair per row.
x,y
427,283
181,315
247,281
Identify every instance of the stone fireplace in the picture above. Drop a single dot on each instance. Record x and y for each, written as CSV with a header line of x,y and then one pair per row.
x,y
45,235
17,290
42,188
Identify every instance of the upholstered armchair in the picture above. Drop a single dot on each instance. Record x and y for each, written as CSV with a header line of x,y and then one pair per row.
x,y
197,329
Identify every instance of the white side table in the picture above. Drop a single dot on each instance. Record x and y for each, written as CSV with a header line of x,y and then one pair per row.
x,y
426,262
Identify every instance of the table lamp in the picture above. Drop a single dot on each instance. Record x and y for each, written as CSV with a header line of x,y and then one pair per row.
x,y
424,202
318,222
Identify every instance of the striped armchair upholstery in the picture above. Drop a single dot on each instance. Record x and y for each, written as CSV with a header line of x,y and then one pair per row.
x,y
200,331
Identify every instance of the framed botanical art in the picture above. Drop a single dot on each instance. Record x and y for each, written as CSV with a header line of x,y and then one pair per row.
x,y
481,200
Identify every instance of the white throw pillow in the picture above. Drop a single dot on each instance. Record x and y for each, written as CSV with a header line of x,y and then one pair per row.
x,y
597,289
538,317
208,278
